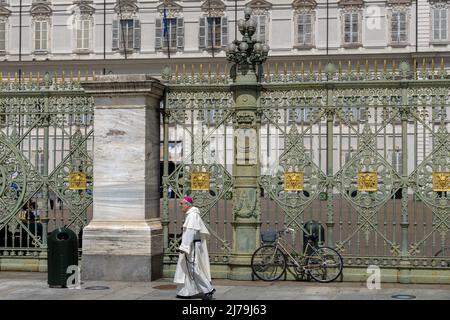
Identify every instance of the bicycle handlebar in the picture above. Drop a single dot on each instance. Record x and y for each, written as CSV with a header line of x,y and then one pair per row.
x,y
286,230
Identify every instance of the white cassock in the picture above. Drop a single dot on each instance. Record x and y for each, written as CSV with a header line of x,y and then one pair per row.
x,y
193,278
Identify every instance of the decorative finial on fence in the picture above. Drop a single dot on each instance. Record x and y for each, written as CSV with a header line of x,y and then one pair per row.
x,y
404,69
47,80
166,73
330,69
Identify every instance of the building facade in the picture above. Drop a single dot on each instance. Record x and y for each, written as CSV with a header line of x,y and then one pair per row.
x,y
101,34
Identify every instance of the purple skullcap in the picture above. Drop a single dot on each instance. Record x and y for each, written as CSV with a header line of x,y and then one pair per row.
x,y
188,200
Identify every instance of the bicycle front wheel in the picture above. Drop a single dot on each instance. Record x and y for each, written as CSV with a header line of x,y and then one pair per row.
x,y
324,264
268,263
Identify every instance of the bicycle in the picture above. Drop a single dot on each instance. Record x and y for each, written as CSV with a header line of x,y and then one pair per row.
x,y
270,261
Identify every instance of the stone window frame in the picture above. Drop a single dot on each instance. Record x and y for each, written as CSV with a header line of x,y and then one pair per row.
x,y
262,8
213,9
4,18
41,12
442,4
349,7
83,12
304,7
173,11
126,10
402,6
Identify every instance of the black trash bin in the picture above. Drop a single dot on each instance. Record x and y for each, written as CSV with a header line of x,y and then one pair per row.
x,y
315,233
62,253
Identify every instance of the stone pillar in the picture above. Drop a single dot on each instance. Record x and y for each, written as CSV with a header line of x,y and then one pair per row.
x,y
124,239
246,212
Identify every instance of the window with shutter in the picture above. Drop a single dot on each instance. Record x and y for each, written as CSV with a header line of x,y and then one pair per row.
x,y
224,32
202,33
354,27
347,28
115,34
439,24
171,33
2,35
159,30
82,33
174,38
304,29
444,24
215,27
351,21
403,27
40,35
136,35
395,27
213,32
261,28
126,34
398,27
180,33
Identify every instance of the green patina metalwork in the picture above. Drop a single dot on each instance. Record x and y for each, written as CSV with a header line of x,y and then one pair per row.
x,y
331,125
199,117
46,133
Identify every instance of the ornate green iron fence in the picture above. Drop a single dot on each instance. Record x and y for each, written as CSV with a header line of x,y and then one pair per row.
x,y
197,139
46,142
387,126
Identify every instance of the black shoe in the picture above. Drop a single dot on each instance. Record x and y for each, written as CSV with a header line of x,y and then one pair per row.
x,y
209,295
183,297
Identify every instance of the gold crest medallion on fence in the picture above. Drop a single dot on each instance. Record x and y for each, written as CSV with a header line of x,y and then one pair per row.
x,y
441,181
77,181
367,181
200,181
293,181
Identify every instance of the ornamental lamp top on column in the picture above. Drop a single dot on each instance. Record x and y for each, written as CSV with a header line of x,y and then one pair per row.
x,y
247,54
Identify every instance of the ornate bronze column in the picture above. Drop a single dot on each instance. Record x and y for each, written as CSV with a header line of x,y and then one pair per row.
x,y
247,56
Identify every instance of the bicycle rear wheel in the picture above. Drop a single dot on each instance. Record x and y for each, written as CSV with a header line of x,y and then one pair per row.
x,y
268,263
324,264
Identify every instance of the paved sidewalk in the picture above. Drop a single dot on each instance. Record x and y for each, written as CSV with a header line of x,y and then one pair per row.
x,y
29,285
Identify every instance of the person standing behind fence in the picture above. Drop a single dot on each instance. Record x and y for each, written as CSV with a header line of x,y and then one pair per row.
x,y
193,269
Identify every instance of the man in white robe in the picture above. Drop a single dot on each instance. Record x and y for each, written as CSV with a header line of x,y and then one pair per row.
x,y
193,271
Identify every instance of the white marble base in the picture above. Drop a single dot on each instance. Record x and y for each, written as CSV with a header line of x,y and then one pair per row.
x,y
122,250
